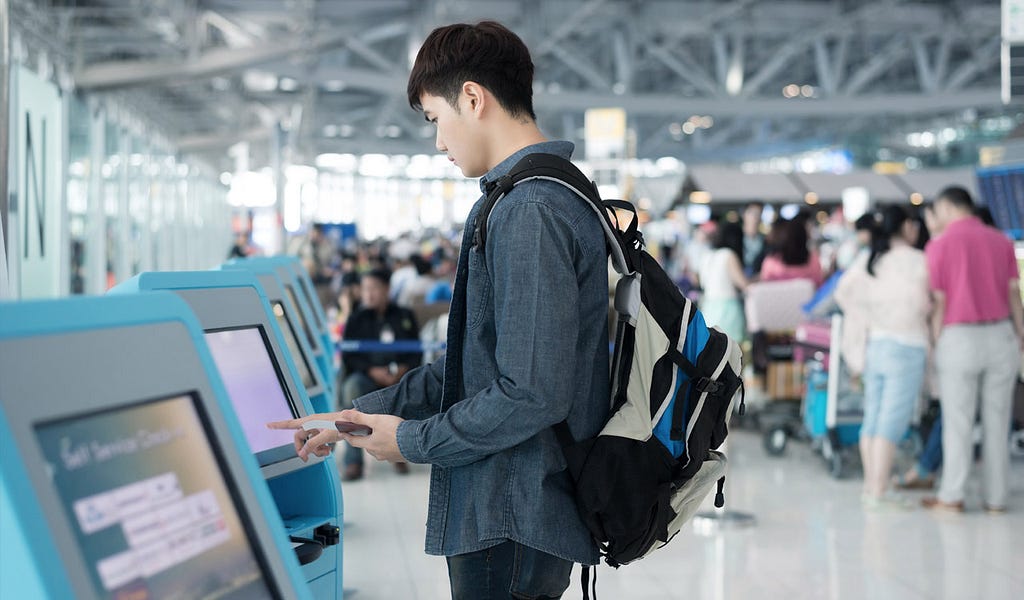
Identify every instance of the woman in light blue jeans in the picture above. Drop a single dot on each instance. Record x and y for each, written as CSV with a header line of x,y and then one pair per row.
x,y
893,375
890,291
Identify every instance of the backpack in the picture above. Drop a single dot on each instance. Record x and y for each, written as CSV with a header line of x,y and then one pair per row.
x,y
673,383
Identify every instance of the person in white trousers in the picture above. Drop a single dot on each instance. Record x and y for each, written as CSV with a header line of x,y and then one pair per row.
x,y
978,323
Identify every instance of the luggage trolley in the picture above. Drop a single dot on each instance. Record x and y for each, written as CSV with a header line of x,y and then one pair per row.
x,y
832,408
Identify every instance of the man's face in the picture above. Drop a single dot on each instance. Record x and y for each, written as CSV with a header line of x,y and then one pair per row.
x,y
457,134
931,221
374,293
944,211
751,219
911,231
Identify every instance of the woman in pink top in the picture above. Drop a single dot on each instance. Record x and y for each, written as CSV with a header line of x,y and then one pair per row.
x,y
789,257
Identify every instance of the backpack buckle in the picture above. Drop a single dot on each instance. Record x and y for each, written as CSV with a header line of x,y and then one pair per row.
x,y
706,384
503,184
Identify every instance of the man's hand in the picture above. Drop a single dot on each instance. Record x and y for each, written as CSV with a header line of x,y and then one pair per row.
x,y
382,376
318,441
382,444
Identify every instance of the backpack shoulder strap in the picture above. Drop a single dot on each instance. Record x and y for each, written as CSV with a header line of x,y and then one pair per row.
x,y
559,170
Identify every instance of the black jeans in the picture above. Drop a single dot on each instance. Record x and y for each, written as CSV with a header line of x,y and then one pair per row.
x,y
508,571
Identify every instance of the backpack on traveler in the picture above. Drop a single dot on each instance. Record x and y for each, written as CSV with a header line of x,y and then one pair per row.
x,y
673,383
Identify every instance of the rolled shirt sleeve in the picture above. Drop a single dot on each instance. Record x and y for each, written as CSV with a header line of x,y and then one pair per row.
x,y
530,256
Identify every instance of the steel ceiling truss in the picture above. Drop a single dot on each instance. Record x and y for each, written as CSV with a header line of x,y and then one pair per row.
x,y
335,70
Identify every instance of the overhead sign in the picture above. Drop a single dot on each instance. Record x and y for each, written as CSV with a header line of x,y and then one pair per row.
x,y
1012,51
1013,20
604,133
37,186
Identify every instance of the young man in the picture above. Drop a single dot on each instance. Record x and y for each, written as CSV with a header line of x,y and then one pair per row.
x,y
527,340
979,323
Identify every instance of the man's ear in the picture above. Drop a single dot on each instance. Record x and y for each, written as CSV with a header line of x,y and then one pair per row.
x,y
473,97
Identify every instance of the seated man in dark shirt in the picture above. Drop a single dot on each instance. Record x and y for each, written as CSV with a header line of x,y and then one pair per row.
x,y
377,319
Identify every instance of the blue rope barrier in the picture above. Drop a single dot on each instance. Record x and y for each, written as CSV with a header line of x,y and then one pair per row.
x,y
398,346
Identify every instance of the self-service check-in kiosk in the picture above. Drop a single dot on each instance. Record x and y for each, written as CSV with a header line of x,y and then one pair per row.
x,y
317,338
264,385
122,472
292,265
306,283
315,378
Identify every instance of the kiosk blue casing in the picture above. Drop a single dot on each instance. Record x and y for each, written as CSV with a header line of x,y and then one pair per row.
x,y
307,497
269,275
288,269
30,560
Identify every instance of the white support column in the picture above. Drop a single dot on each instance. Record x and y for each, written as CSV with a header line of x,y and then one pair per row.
x,y
14,190
122,262
176,213
96,230
145,231
5,112
64,250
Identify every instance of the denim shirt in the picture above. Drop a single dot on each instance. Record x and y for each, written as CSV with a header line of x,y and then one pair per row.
x,y
527,348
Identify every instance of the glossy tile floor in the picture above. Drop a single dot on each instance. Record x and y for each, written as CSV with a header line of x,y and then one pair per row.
x,y
811,540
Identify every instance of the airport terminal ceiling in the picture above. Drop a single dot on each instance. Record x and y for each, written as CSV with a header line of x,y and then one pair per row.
x,y
721,81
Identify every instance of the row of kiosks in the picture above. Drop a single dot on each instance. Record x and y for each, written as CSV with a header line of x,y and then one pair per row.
x,y
295,303
136,461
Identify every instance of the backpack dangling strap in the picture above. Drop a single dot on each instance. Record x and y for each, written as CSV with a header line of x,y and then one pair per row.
x,y
588,585
720,496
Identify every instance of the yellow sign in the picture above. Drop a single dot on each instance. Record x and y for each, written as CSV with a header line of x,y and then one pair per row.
x,y
604,132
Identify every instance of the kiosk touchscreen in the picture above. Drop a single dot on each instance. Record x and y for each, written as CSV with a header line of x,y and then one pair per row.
x,y
317,337
306,290
306,284
121,475
254,384
264,385
314,378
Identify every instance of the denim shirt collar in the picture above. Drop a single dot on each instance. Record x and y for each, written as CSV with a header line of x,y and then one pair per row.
x,y
556,147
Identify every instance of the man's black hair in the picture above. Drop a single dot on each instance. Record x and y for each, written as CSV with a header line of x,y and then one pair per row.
x,y
958,197
382,275
422,266
985,214
486,53
866,222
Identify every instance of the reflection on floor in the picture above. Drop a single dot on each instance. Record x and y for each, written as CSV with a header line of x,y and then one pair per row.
x,y
812,540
